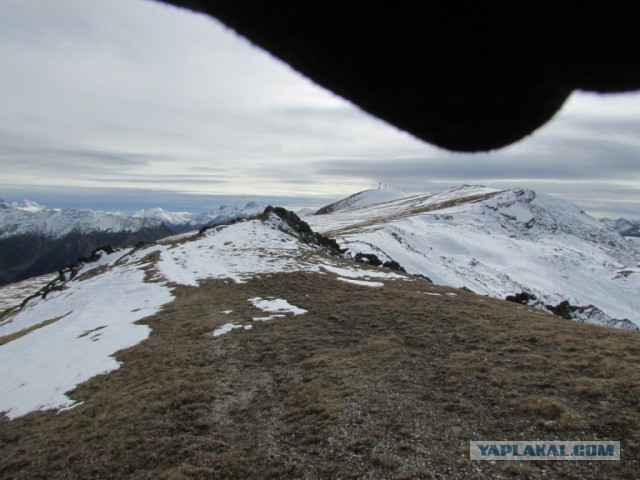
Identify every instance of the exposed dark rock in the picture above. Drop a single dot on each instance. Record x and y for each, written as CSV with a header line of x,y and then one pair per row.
x,y
372,259
369,258
393,265
589,313
424,277
524,298
302,230
563,309
95,254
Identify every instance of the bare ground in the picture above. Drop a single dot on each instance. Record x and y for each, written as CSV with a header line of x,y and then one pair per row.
x,y
370,383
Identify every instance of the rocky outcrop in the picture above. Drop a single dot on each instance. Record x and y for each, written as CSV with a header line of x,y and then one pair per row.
x,y
393,265
302,230
564,309
369,258
589,314
525,298
372,259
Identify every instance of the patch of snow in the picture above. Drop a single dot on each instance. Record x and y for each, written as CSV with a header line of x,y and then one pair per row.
x,y
276,305
363,283
266,319
226,328
238,252
360,273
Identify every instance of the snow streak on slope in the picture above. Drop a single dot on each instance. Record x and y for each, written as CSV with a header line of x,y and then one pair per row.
x,y
498,243
276,305
53,344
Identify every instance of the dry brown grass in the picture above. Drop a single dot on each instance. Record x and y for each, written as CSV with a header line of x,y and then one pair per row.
x,y
14,336
370,383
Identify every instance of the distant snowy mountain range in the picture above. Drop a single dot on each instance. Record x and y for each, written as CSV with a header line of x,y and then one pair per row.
x,y
31,218
35,240
628,228
498,243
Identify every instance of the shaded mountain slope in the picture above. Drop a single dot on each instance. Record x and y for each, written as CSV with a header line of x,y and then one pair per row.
x,y
29,255
628,228
36,240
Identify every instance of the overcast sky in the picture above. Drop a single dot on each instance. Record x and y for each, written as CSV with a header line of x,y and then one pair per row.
x,y
124,104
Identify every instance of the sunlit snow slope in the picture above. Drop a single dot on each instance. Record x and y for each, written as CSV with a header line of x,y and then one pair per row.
x,y
498,243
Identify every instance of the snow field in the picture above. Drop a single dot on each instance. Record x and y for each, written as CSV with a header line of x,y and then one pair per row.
x,y
89,321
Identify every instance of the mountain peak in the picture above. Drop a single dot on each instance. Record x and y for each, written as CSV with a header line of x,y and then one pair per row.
x,y
25,205
364,198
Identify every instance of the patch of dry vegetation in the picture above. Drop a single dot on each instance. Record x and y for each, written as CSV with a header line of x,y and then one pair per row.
x,y
370,383
16,335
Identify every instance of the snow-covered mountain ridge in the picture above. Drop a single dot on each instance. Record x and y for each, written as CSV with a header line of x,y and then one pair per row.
x,y
499,243
28,217
628,228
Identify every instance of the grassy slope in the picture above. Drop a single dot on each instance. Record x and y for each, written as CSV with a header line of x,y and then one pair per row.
x,y
370,383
